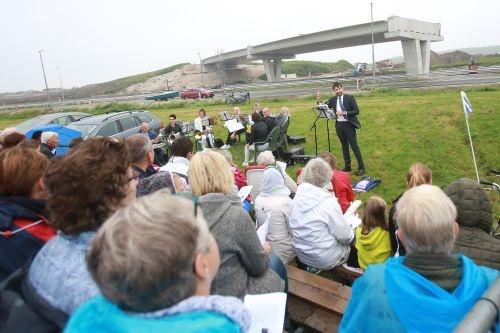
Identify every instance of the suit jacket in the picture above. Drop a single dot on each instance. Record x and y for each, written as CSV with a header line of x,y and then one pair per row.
x,y
46,150
350,106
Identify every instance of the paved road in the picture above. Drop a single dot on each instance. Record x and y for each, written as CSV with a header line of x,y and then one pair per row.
x,y
302,87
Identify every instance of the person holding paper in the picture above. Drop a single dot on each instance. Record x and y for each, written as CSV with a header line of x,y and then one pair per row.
x,y
245,265
154,261
231,136
321,234
274,200
347,123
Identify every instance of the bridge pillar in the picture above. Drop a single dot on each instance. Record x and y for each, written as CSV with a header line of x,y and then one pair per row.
x,y
273,69
417,55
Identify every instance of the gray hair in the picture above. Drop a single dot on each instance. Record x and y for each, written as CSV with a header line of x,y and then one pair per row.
x,y
426,218
142,257
266,158
139,147
47,135
227,155
317,172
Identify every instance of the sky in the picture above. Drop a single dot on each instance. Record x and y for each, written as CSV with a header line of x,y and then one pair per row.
x,y
94,41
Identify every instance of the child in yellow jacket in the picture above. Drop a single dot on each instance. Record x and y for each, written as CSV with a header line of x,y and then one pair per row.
x,y
372,236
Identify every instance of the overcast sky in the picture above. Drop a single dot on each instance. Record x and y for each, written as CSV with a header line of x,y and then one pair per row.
x,y
100,40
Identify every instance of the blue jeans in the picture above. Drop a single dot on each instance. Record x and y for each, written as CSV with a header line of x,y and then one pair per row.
x,y
276,265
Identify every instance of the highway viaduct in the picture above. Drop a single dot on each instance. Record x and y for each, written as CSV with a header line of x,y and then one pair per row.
x,y
415,36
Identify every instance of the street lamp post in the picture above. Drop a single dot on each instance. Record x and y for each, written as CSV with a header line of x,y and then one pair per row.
x,y
373,47
201,68
45,78
60,81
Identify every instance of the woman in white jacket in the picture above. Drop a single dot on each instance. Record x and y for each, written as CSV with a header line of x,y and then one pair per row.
x,y
321,235
274,200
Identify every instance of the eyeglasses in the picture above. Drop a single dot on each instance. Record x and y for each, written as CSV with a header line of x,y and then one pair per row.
x,y
134,177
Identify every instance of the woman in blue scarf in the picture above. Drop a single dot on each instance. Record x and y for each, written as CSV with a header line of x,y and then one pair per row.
x,y
428,290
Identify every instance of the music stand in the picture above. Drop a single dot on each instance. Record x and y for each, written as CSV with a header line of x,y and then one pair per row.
x,y
322,111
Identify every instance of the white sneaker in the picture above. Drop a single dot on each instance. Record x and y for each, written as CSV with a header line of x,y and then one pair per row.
x,y
225,147
244,164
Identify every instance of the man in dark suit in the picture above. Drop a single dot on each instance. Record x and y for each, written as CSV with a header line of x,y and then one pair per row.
x,y
347,111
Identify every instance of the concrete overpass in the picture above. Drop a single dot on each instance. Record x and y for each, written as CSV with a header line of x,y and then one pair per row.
x,y
415,36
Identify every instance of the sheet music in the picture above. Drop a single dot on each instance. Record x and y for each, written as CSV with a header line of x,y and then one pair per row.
x,y
352,208
350,214
354,221
244,192
264,228
324,112
267,310
233,125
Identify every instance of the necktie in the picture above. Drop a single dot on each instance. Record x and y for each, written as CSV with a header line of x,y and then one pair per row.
x,y
341,103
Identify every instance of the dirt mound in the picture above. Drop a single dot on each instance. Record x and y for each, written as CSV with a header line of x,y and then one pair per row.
x,y
189,76
449,57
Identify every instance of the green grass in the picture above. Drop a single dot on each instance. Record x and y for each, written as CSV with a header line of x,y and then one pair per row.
x,y
303,67
399,128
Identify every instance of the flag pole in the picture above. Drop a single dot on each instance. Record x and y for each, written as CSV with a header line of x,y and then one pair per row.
x,y
466,115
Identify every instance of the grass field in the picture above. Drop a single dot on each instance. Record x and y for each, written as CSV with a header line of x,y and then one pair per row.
x,y
398,128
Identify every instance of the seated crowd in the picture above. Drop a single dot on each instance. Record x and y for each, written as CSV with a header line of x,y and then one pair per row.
x,y
101,240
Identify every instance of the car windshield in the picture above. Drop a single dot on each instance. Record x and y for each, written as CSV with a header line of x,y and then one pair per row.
x,y
25,126
86,129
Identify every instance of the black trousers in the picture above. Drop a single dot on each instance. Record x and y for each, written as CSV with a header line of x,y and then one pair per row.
x,y
347,136
230,141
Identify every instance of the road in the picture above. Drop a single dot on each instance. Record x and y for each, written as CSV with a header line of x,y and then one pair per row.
x,y
303,87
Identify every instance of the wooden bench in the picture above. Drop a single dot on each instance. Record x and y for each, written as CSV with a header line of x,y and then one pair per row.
x,y
314,301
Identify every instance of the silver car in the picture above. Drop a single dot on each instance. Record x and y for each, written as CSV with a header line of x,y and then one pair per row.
x,y
60,118
118,124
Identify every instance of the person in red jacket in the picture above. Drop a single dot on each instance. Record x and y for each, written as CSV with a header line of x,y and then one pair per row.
x,y
341,183
23,224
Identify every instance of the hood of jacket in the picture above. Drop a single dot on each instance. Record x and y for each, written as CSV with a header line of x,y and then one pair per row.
x,y
194,314
309,196
428,300
373,240
472,203
19,208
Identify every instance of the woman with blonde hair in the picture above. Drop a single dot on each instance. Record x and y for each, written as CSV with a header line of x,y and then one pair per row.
x,y
244,261
418,174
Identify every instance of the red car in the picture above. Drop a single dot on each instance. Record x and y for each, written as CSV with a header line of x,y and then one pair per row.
x,y
196,93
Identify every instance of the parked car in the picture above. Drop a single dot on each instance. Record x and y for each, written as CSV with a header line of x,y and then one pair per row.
x,y
196,93
60,118
118,124
165,96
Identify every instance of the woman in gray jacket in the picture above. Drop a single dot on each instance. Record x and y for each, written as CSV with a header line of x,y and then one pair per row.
x,y
244,261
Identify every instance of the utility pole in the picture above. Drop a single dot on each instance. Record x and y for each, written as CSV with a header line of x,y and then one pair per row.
x,y
373,47
60,81
45,78
201,69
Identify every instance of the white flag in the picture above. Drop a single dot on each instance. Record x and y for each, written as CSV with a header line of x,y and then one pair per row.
x,y
466,104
